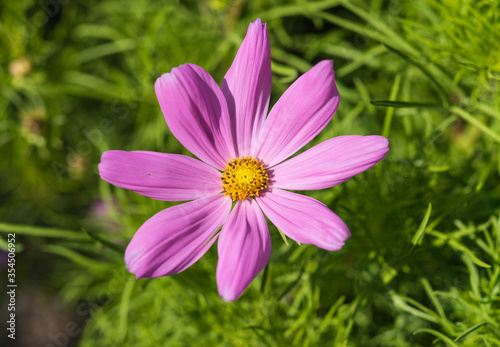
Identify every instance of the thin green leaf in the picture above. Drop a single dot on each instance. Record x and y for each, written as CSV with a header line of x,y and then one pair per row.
x,y
418,237
105,49
124,308
437,304
403,104
439,335
390,111
295,10
111,245
459,247
265,278
283,236
416,308
468,331
440,87
474,121
75,257
42,231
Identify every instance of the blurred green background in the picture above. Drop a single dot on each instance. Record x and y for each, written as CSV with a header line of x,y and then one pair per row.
x,y
422,265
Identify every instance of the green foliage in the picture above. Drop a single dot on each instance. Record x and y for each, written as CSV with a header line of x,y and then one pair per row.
x,y
79,80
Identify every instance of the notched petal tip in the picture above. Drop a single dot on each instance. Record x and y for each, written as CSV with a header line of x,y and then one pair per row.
x,y
168,77
131,257
340,241
325,64
257,24
379,143
140,271
107,159
228,297
383,140
324,69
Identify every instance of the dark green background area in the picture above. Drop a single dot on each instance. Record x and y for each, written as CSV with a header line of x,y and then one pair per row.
x,y
422,264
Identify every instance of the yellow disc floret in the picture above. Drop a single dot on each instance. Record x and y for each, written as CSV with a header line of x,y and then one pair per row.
x,y
244,177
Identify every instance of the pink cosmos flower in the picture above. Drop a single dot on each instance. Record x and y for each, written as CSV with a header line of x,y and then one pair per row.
x,y
242,162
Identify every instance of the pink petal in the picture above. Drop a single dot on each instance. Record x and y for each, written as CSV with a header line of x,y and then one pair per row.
x,y
304,219
161,176
247,86
175,238
300,114
244,249
196,113
330,163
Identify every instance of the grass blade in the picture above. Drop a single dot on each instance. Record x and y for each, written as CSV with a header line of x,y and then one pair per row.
x,y
403,104
418,237
390,111
439,335
42,232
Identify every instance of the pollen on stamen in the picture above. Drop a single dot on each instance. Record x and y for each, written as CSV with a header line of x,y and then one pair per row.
x,y
244,177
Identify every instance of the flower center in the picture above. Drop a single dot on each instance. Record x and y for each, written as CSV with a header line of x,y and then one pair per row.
x,y
244,177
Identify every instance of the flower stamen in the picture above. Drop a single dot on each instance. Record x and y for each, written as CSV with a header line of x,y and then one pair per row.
x,y
243,177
